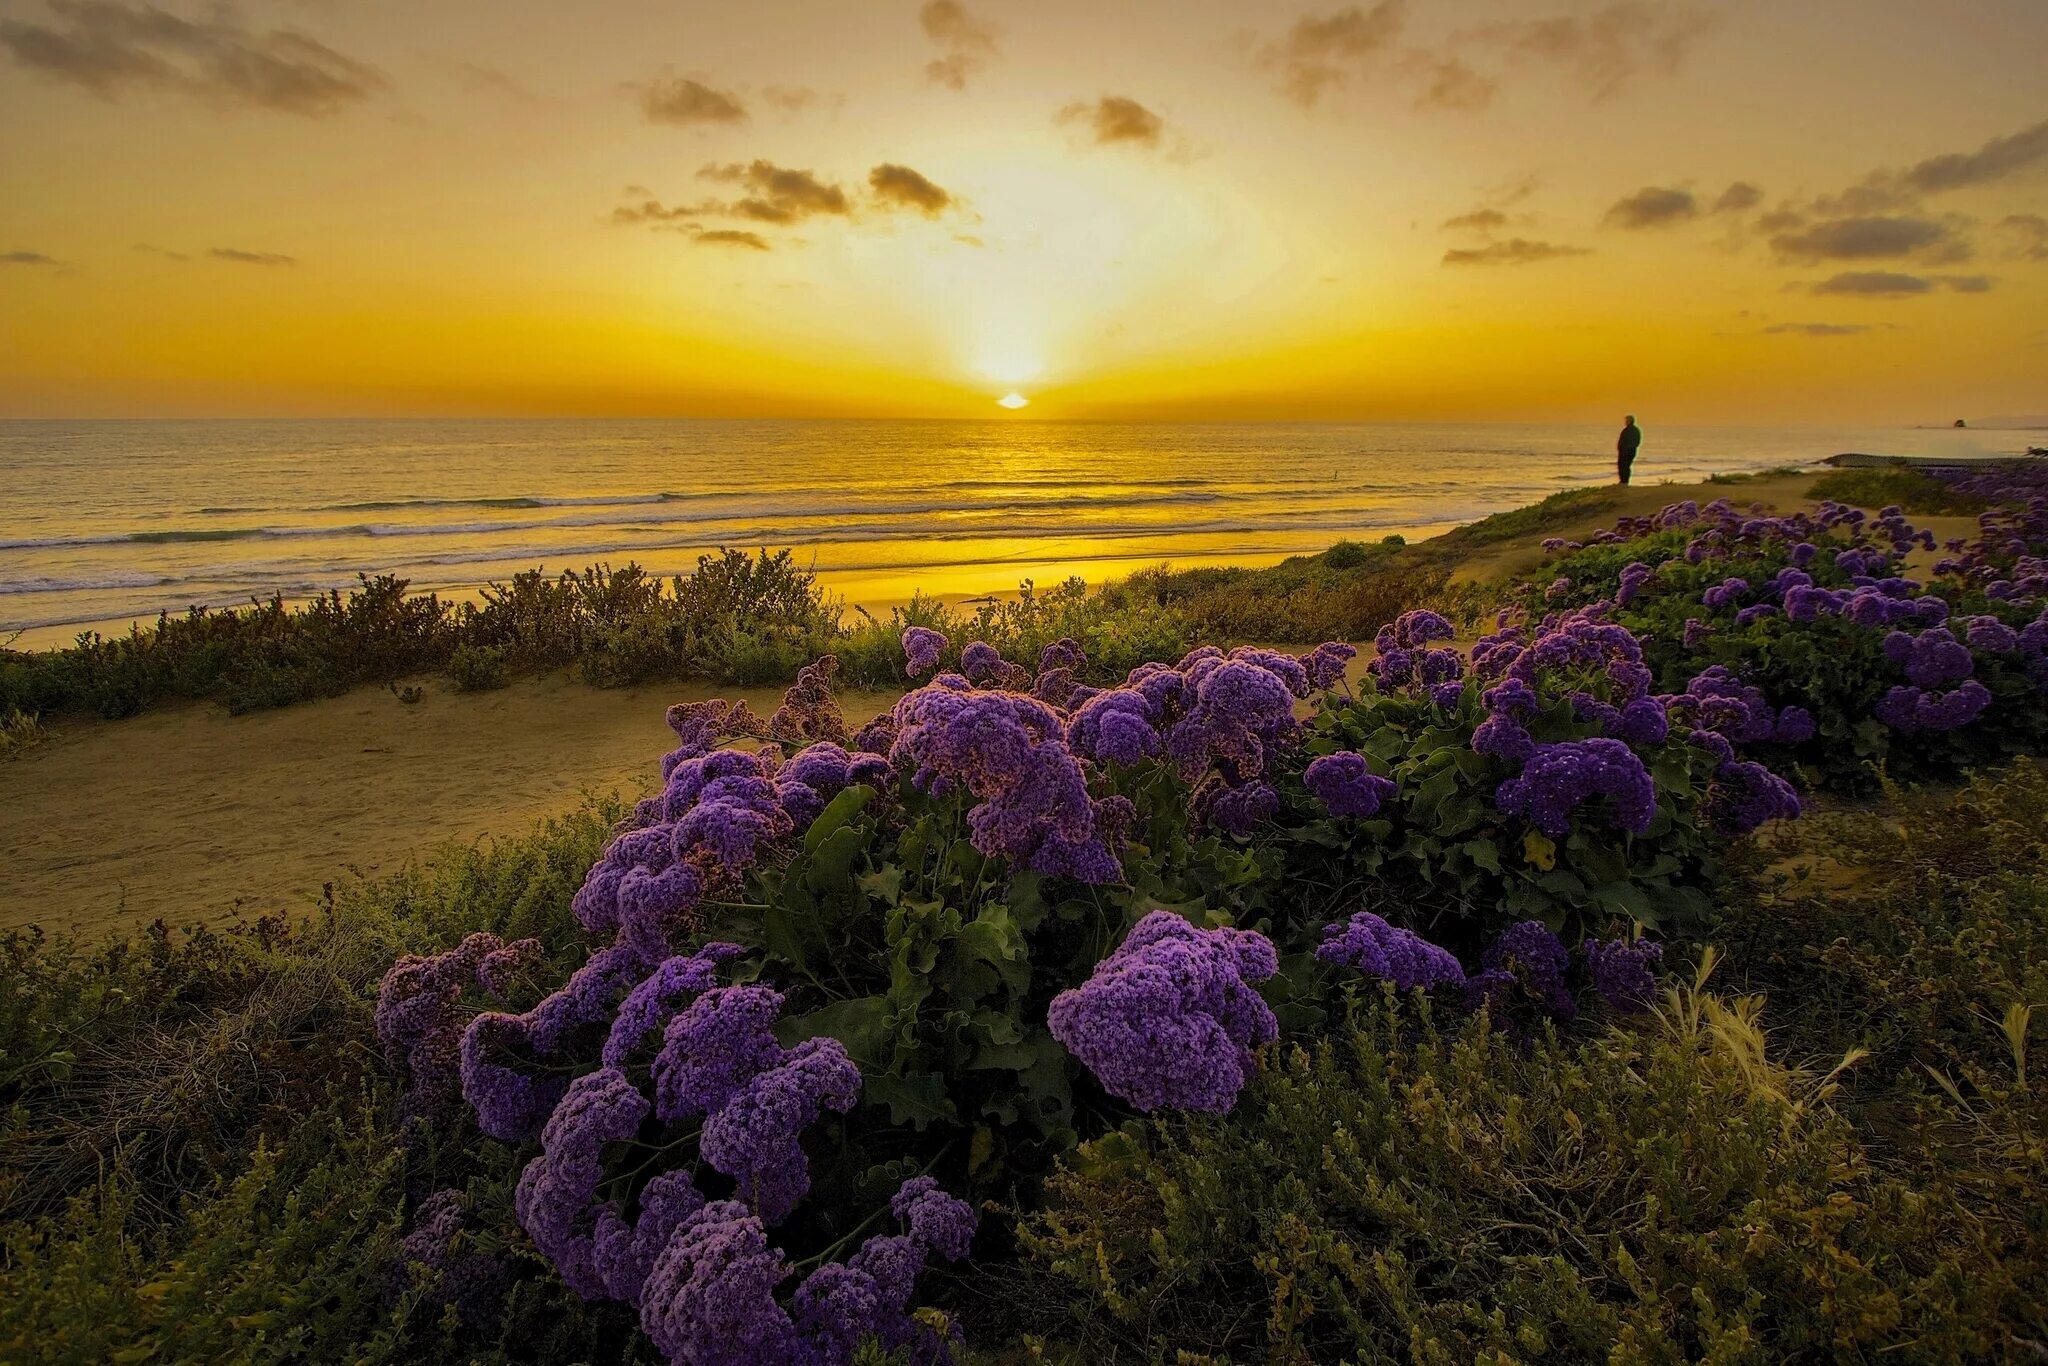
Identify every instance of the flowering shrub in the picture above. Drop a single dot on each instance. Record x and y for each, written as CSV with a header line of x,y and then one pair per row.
x,y
938,947
1859,656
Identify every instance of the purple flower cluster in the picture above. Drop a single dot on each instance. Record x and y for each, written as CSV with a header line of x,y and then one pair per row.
x,y
419,1019
1527,963
1559,778
921,649
1377,949
710,1296
808,712
437,1258
1345,784
1407,659
1624,971
1170,1018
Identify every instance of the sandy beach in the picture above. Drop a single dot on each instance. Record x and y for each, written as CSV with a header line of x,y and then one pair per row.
x,y
191,815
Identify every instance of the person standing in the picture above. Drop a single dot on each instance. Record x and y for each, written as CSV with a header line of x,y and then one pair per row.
x,y
1625,448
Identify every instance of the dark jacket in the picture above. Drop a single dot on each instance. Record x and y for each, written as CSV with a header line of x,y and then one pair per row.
x,y
1631,438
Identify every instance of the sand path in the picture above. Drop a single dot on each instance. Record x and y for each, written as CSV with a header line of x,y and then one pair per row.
x,y
191,814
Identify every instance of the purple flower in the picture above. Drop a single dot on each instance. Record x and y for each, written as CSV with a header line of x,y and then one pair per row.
x,y
1238,810
1327,662
1377,949
1115,727
649,1006
510,1104
556,1198
808,711
1064,653
624,1252
1345,784
753,1137
1530,957
1745,795
499,967
710,1298
941,1222
1501,736
1560,777
1795,726
710,1051
1170,1018
980,662
1624,972
1936,657
1633,577
921,648
1241,714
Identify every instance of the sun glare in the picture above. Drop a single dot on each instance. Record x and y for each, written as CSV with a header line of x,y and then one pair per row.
x,y
1013,401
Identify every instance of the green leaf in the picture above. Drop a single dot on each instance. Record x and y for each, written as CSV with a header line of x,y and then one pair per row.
x,y
861,1024
916,1099
837,813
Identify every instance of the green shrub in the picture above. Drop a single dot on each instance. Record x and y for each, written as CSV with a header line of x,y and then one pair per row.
x,y
479,668
1896,486
1406,1191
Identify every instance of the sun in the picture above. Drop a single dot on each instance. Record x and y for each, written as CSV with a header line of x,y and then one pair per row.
x,y
1013,401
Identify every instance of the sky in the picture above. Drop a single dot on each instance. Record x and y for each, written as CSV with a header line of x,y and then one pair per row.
x,y
1706,210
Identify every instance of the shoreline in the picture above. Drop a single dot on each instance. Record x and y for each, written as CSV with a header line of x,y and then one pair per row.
x,y
188,814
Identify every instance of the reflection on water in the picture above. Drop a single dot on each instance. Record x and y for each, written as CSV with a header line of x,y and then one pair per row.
x,y
105,521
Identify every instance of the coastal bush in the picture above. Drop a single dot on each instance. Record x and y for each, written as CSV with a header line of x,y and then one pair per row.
x,y
478,668
1017,908
1900,486
1411,1189
1925,674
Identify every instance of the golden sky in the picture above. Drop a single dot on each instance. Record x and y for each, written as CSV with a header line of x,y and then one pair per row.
x,y
1713,210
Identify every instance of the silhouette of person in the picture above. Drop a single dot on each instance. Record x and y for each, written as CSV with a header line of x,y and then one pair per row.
x,y
1625,448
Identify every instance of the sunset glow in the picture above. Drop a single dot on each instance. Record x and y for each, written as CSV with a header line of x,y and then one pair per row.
x,y
1188,210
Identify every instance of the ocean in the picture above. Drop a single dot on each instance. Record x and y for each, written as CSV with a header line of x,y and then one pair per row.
x,y
103,523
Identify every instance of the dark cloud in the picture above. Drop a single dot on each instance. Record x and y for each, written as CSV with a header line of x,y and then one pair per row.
x,y
1886,282
110,48
1321,53
27,258
1816,329
1995,160
682,101
2028,232
1867,239
1476,220
164,252
1516,251
1115,118
778,194
251,258
900,187
1883,282
1652,206
965,43
1606,50
730,237
651,210
1739,198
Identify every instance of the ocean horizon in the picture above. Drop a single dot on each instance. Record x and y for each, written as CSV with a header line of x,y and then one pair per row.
x,y
104,522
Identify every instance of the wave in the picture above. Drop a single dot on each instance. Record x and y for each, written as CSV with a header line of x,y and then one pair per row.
x,y
37,583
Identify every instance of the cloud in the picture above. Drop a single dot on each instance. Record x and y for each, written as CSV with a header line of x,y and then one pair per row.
x,y
900,187
1652,207
1449,83
1321,53
652,210
681,101
1864,239
1891,283
965,43
1995,160
1816,329
1738,198
2029,234
27,258
1115,118
730,237
1515,251
779,194
1606,50
251,258
481,79
164,252
110,48
795,99
1476,220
